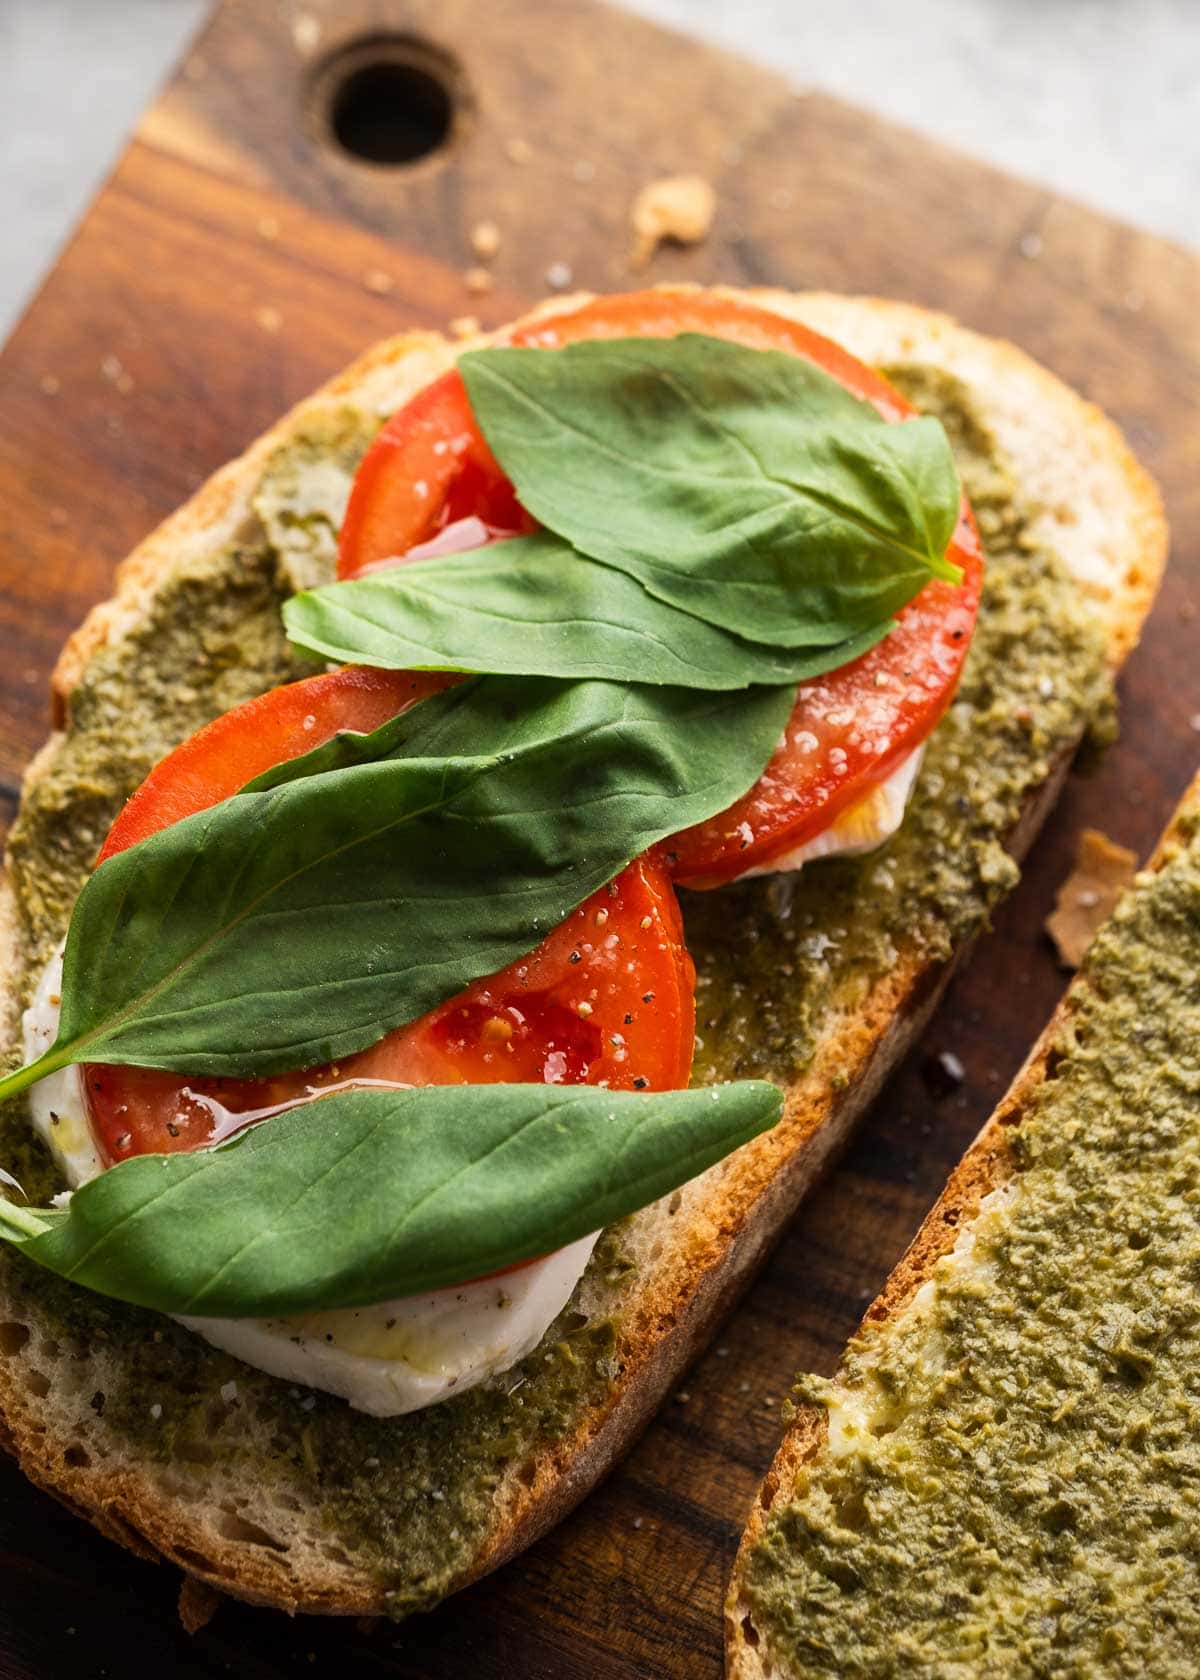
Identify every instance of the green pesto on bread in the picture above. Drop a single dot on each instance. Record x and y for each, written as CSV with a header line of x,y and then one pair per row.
x,y
1002,1478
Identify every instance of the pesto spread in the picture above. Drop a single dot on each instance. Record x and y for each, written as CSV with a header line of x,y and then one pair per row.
x,y
410,1496
1012,1484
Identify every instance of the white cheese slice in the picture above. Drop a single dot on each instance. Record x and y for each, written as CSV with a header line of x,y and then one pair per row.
x,y
56,1102
861,827
401,1355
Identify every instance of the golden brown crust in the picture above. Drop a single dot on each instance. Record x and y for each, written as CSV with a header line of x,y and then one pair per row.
x,y
987,1164
725,1221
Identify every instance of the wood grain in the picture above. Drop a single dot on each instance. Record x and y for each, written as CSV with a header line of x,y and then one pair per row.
x,y
221,274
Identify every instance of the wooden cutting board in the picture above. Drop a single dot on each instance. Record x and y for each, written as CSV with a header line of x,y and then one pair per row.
x,y
238,256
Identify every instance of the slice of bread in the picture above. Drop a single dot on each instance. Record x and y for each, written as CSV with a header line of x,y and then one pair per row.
x,y
232,1478
812,1487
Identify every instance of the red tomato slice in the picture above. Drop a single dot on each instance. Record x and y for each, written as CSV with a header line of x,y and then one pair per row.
x,y
428,467
604,999
285,723
849,730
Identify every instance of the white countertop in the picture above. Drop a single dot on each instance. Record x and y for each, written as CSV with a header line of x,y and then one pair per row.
x,y
1099,99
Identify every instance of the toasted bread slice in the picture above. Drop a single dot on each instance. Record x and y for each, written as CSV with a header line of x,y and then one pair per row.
x,y
813,1493
295,1501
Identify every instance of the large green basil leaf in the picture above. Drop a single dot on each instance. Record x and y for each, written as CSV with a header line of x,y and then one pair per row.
x,y
367,1195
536,605
746,487
295,924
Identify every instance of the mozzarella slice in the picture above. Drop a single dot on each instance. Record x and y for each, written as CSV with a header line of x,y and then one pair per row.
x,y
56,1102
860,828
394,1357
401,1355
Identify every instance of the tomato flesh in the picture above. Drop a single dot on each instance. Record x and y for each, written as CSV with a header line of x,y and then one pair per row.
x,y
849,730
606,998
285,723
428,467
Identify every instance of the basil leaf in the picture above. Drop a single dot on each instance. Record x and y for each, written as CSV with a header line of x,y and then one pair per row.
x,y
746,487
537,606
363,1196
297,924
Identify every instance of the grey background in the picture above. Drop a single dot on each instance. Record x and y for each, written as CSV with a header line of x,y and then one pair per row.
x,y
1097,98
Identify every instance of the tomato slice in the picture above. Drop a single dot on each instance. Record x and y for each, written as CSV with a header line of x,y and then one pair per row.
x,y
848,731
431,467
428,467
606,998
285,723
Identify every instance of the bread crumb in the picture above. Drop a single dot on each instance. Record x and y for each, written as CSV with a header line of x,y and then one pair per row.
x,y
943,1073
952,1067
464,326
477,280
485,240
518,150
198,1603
378,280
306,32
558,276
677,207
270,320
1089,894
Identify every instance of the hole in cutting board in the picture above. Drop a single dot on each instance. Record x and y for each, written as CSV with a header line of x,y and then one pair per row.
x,y
391,101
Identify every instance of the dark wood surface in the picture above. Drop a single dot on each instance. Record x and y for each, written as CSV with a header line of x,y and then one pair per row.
x,y
221,274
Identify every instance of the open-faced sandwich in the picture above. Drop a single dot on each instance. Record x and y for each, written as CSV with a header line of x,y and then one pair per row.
x,y
1002,1477
383,1133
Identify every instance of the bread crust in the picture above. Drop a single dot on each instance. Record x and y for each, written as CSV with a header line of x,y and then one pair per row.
x,y
730,1223
986,1166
